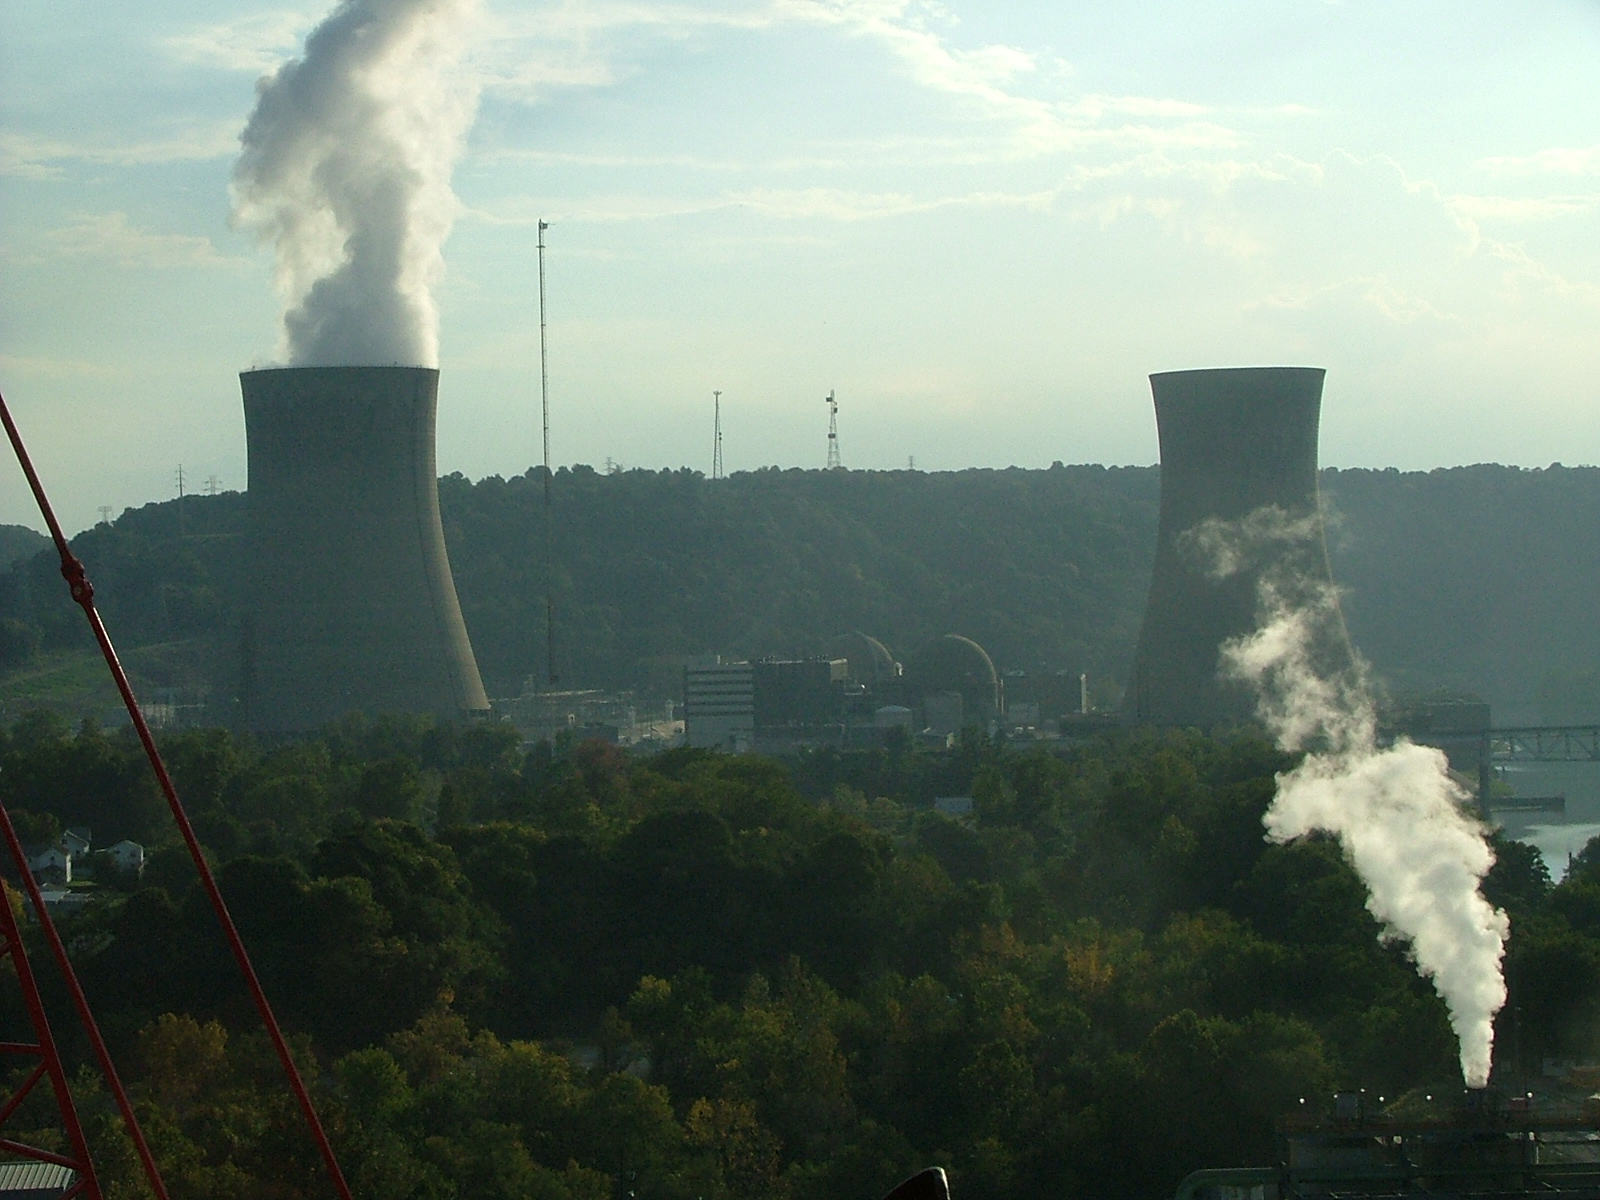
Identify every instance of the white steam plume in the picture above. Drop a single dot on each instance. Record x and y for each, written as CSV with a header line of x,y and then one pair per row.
x,y
346,170
1396,811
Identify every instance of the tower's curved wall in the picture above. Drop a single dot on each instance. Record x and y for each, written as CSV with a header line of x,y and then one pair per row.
x,y
353,607
1232,441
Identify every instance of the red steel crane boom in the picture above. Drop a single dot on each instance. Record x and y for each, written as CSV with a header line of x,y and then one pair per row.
x,y
83,594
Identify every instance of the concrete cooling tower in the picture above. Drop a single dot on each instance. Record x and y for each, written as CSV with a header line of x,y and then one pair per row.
x,y
353,608
1232,442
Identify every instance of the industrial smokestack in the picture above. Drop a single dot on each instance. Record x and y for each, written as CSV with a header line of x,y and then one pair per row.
x,y
1234,442
353,607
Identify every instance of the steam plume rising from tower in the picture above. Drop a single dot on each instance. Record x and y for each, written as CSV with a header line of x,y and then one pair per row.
x,y
346,170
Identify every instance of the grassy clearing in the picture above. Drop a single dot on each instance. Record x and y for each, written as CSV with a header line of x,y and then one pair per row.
x,y
76,683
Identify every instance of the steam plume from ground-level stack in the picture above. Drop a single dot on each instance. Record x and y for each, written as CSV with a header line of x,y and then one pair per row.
x,y
1396,811
346,170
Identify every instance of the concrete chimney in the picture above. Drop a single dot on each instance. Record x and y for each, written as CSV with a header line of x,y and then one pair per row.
x,y
1232,441
353,608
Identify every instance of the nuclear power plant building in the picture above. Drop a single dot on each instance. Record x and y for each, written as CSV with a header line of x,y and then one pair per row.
x,y
1233,442
353,607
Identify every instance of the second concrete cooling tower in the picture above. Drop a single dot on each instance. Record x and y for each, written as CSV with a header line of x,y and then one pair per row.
x,y
1233,442
353,608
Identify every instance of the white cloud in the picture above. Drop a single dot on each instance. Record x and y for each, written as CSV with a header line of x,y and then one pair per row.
x,y
1094,107
56,368
778,204
1520,208
258,43
1523,270
1554,161
33,157
833,204
529,54
1339,305
111,238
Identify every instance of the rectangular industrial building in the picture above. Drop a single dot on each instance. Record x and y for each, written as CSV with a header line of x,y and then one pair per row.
x,y
719,708
800,699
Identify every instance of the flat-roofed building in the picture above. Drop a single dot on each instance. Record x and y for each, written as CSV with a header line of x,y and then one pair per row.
x,y
719,707
800,700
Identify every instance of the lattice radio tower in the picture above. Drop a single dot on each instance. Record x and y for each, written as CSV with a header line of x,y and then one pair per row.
x,y
833,434
716,437
552,675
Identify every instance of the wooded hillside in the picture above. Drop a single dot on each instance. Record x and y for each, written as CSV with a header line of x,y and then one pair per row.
x,y
572,975
1475,579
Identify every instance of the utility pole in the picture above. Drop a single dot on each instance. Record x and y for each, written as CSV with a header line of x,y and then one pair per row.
x,y
716,437
549,523
833,433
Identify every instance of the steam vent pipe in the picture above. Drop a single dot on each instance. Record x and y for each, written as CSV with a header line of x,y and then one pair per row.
x,y
353,608
1232,441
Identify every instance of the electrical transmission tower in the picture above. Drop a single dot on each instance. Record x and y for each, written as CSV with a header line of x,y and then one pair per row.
x,y
833,433
716,437
213,485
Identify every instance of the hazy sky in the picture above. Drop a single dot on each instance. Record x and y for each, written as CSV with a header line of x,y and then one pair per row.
x,y
982,224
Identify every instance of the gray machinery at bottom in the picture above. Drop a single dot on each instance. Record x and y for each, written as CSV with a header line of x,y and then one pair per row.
x,y
352,604
1233,442
1487,1147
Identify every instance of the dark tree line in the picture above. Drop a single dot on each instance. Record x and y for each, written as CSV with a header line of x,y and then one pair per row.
x,y
571,973
1462,579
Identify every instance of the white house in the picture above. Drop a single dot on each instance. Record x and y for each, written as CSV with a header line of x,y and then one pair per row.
x,y
127,857
52,865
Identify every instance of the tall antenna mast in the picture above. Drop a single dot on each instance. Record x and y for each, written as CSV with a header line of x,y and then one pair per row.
x,y
549,524
716,438
833,433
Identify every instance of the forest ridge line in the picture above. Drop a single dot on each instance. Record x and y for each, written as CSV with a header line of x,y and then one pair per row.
x,y
1463,579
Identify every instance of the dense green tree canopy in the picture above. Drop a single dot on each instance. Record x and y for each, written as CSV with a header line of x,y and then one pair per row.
x,y
571,973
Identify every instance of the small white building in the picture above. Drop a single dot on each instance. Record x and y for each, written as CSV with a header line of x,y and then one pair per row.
x,y
53,864
34,1180
719,707
127,857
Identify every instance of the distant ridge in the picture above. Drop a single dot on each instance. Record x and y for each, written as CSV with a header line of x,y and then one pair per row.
x,y
18,542
1468,579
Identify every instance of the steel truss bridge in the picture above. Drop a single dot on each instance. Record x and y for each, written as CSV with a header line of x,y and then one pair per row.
x,y
1544,743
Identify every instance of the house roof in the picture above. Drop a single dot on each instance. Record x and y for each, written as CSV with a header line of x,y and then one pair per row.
x,y
30,1179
